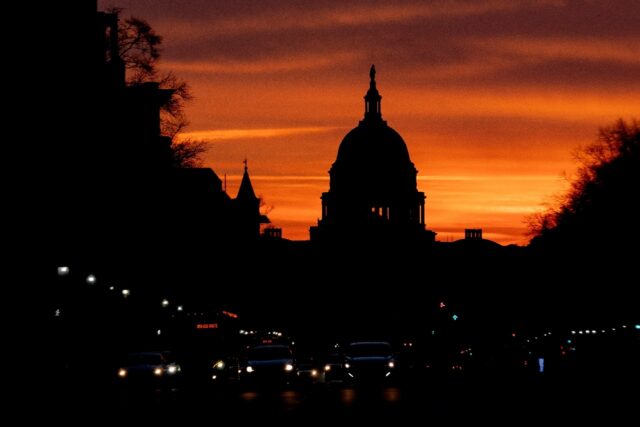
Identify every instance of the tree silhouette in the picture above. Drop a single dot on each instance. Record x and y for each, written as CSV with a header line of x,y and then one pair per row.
x,y
139,49
600,210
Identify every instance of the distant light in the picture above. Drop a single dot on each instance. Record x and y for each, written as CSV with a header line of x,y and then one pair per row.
x,y
624,326
159,332
346,365
603,331
549,333
293,343
614,329
213,377
637,326
593,331
442,304
528,340
513,334
540,364
573,332
288,367
327,368
180,308
454,317
391,364
314,373
544,335
122,372
241,332
91,279
58,312
63,271
111,288
126,292
588,331
350,374
165,303
433,332
249,369
388,373
219,364
580,332
569,342
172,369
157,372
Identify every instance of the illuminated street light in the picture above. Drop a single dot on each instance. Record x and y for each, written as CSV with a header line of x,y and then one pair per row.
x,y
91,279
111,288
179,308
63,270
126,292
159,332
165,303
455,317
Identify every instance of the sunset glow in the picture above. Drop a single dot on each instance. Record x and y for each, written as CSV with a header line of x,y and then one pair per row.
x,y
492,97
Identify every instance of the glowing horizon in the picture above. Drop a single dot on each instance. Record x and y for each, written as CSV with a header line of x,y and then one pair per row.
x,y
492,97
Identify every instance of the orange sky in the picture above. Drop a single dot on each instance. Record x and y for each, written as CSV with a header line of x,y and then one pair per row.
x,y
492,97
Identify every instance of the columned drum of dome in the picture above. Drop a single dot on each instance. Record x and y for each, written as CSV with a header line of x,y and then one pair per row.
x,y
373,189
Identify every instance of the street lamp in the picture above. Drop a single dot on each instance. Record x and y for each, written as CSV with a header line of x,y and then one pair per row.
x,y
63,270
91,279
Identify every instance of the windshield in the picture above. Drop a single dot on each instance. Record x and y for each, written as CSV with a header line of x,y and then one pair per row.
x,y
145,359
373,349
270,353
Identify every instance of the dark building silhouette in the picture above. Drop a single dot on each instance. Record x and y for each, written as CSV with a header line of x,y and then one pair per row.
x,y
373,188
473,233
120,192
246,209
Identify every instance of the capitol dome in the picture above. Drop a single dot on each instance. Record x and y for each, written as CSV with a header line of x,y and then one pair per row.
x,y
373,185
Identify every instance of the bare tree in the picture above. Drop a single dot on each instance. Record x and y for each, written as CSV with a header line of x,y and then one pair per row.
x,y
139,48
600,205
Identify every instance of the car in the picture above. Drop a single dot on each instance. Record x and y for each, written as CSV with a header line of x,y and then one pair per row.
x,y
268,364
148,367
369,360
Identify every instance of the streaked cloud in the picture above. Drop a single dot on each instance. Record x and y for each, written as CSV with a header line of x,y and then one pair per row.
x,y
233,134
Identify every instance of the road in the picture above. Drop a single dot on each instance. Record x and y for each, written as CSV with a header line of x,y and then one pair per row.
x,y
452,401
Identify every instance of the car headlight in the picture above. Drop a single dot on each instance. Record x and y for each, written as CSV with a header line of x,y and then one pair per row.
x,y
122,373
173,369
391,364
219,365
249,369
314,373
157,372
346,365
327,368
288,367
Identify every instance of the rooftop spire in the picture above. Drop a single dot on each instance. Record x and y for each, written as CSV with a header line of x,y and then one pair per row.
x,y
245,192
372,99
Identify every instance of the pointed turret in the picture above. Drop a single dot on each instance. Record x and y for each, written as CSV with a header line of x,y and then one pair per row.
x,y
245,192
